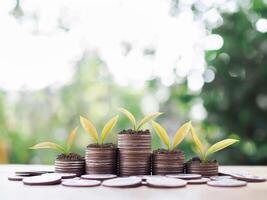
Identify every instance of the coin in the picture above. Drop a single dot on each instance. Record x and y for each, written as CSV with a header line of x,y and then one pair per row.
x,y
29,173
98,176
217,178
165,182
81,183
248,177
123,182
198,181
46,179
101,160
70,166
184,176
15,178
227,183
65,175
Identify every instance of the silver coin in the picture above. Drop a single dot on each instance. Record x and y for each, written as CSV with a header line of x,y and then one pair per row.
x,y
227,183
184,176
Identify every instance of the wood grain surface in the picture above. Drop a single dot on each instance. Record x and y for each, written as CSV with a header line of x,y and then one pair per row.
x,y
12,190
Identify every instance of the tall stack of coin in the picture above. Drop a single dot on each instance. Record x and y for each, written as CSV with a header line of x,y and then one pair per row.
x,y
167,162
70,166
205,169
134,153
101,159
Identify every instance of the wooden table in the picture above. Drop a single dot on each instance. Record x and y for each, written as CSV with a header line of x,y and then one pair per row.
x,y
16,190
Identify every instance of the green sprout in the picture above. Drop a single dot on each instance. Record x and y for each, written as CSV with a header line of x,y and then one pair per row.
x,y
138,125
63,149
205,153
91,130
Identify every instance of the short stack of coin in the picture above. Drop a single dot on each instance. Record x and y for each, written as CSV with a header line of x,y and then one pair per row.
x,y
101,160
207,169
134,154
70,166
167,162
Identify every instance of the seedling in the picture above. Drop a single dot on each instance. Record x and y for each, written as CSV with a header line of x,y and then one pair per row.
x,y
63,149
180,134
91,130
138,125
203,152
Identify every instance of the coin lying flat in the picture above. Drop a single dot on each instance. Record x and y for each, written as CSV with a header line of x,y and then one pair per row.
x,y
123,182
100,177
248,177
81,183
46,179
64,175
184,176
165,182
29,173
217,178
15,178
227,183
198,181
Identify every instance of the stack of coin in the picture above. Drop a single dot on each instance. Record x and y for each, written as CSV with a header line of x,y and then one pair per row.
x,y
207,169
101,160
70,166
134,153
167,162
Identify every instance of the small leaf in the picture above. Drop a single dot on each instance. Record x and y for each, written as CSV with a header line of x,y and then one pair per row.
x,y
181,134
199,145
90,128
71,137
129,116
147,118
108,128
161,133
49,145
219,146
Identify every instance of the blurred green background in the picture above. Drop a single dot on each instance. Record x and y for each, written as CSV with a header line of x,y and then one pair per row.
x,y
225,97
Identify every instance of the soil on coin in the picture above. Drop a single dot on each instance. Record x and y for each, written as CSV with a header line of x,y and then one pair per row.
x,y
70,156
131,132
197,160
107,145
165,151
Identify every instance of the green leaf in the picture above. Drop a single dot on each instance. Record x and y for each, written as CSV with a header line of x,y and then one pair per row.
x,y
70,139
89,128
129,115
161,132
219,146
181,133
147,118
108,128
49,145
198,143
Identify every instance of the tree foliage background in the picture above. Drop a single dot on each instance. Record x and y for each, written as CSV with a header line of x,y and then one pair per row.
x,y
235,101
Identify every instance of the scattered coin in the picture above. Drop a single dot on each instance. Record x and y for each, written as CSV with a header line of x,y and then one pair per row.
x,y
123,182
100,177
64,175
248,177
184,176
217,178
47,179
29,173
15,178
165,182
198,181
227,183
81,183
